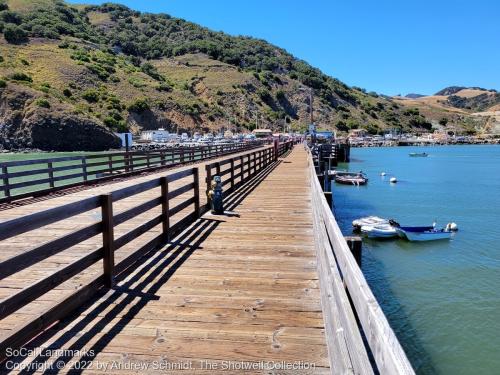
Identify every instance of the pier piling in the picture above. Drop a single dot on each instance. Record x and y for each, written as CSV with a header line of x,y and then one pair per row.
x,y
355,245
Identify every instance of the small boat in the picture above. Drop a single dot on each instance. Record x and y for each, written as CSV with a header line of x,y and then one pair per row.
x,y
379,231
423,233
350,178
368,221
419,154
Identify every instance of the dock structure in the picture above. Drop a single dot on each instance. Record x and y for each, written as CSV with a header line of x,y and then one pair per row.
x,y
139,277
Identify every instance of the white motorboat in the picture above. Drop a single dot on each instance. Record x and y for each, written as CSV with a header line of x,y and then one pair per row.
x,y
379,231
369,221
423,233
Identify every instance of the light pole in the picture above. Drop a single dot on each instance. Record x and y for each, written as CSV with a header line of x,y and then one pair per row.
x,y
312,125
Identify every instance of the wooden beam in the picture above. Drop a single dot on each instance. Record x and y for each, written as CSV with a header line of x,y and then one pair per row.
x,y
108,239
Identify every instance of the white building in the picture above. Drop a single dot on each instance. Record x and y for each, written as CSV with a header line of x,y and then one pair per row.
x,y
160,135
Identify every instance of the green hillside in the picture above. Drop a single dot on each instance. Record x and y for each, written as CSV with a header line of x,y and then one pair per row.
x,y
71,75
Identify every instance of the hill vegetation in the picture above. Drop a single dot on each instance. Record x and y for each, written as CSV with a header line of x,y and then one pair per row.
x,y
108,68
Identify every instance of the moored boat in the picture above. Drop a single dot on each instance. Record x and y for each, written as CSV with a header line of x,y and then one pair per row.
x,y
368,221
350,178
423,233
379,231
419,154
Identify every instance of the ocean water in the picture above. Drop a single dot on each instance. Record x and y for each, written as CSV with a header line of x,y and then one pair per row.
x,y
442,298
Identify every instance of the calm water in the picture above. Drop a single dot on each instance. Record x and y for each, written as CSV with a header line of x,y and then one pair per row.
x,y
442,298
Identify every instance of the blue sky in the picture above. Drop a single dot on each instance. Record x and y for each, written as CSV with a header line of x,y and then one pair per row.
x,y
388,46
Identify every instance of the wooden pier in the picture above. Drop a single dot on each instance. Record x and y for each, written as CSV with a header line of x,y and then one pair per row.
x,y
138,275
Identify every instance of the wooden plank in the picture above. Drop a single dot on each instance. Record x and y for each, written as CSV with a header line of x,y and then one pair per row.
x,y
25,331
179,175
182,206
136,232
179,191
137,210
196,191
38,253
32,292
36,220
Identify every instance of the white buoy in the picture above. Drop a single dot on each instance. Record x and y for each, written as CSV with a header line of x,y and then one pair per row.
x,y
383,174
393,180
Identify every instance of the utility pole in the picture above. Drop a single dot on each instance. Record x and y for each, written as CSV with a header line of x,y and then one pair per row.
x,y
311,105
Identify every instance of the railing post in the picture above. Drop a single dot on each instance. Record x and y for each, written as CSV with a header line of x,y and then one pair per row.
x,y
232,174
208,169
241,169
165,209
217,168
196,177
5,180
276,150
126,162
110,164
147,159
108,239
84,168
162,157
51,174
355,245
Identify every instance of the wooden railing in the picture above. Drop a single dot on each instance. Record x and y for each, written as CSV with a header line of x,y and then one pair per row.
x,y
339,273
26,178
105,253
242,169
285,146
236,171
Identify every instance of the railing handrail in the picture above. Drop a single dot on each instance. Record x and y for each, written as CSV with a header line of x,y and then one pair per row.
x,y
114,164
385,347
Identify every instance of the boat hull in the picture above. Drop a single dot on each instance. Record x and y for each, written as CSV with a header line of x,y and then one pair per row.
x,y
423,235
350,181
380,231
417,155
369,221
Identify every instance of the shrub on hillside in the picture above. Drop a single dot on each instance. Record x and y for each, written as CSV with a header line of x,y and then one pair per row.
x,y
14,34
8,16
3,84
19,76
164,87
139,106
92,96
342,126
420,122
151,71
265,95
44,103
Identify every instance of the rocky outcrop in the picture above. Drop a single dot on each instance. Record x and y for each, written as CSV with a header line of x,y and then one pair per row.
x,y
26,124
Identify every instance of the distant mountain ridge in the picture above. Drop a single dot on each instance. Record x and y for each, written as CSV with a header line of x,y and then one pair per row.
x,y
414,96
455,89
